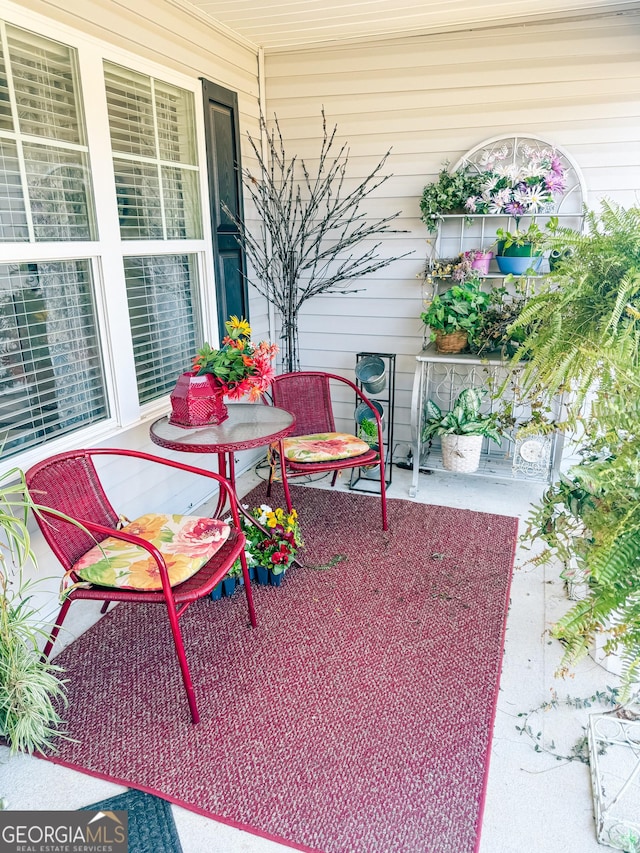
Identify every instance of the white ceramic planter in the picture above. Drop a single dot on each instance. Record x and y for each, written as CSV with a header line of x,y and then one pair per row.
x,y
461,453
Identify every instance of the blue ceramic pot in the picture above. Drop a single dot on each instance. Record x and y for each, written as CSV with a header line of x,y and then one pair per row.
x,y
216,593
517,265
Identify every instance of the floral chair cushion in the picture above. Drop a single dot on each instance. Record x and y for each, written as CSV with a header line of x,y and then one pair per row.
x,y
324,447
186,543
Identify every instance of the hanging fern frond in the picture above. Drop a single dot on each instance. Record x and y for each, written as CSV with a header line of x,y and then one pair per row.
x,y
584,340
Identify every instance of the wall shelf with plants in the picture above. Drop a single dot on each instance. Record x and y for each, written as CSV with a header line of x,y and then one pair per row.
x,y
510,197
505,196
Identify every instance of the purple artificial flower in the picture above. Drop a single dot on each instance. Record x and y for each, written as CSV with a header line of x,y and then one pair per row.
x,y
516,209
555,182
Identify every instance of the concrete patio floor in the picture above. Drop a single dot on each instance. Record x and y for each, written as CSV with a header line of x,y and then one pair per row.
x,y
535,803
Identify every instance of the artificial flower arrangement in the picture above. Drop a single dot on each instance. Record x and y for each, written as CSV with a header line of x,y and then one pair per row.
x,y
240,367
497,184
518,189
463,267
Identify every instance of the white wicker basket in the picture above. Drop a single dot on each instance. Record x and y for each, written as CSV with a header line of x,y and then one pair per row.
x,y
461,453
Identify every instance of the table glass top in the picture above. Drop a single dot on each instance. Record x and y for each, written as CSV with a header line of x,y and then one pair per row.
x,y
248,425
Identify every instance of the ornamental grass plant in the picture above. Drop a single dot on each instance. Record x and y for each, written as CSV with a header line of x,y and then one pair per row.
x,y
31,689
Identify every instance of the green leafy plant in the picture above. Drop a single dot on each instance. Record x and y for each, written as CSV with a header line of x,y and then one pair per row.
x,y
458,308
465,418
368,431
30,688
448,194
495,332
533,236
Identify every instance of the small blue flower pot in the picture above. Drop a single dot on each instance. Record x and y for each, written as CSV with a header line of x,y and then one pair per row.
x,y
262,575
276,579
216,593
229,586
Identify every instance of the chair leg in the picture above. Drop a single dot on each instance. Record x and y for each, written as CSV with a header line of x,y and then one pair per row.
x,y
182,660
383,500
285,481
56,630
383,497
247,589
105,607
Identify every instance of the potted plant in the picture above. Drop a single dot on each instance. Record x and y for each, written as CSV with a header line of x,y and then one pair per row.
x,y
368,431
455,315
521,250
30,688
496,332
271,553
449,193
461,430
239,367
583,333
479,260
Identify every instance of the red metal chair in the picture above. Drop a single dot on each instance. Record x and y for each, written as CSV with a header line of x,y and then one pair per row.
x,y
69,483
307,395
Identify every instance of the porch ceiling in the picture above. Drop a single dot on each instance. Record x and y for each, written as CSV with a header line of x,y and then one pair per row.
x,y
288,24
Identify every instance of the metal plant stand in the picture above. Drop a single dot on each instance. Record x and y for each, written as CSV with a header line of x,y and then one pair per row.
x,y
441,377
614,758
362,479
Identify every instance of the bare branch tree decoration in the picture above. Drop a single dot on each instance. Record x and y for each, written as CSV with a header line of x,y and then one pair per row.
x,y
309,225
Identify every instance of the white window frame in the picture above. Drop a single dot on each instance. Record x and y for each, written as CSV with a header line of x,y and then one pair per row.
x,y
107,252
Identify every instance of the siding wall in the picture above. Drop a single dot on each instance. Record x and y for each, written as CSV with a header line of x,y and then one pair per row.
x,y
431,99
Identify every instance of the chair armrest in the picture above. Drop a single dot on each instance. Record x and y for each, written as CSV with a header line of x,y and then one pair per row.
x,y
181,466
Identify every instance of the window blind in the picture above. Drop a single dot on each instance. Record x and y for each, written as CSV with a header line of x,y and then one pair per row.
x,y
152,129
51,372
44,163
163,311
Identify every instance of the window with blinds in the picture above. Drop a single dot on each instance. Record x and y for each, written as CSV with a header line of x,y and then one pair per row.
x,y
155,162
53,368
162,298
51,372
45,185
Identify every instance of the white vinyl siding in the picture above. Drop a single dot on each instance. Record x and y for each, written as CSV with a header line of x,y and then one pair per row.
x,y
430,99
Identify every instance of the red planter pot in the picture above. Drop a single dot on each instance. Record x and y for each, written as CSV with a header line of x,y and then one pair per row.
x,y
197,401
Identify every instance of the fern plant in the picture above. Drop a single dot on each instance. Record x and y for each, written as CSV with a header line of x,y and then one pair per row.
x,y
584,339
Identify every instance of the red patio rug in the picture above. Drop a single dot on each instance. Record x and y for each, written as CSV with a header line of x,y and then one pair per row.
x,y
356,718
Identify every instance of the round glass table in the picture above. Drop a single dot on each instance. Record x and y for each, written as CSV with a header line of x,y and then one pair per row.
x,y
249,425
